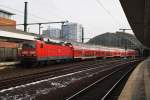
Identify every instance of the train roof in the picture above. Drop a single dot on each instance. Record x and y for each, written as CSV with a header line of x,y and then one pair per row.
x,y
84,46
53,40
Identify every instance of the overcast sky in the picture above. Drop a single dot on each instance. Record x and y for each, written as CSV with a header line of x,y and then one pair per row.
x,y
96,17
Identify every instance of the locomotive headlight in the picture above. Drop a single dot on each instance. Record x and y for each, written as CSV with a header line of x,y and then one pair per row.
x,y
24,52
32,52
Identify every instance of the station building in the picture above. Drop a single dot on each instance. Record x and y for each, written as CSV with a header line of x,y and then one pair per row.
x,y
6,19
10,37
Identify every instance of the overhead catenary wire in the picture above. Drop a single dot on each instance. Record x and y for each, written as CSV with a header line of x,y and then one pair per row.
x,y
108,12
119,4
21,14
33,16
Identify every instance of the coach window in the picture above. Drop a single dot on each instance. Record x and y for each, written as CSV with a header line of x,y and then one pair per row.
x,y
41,46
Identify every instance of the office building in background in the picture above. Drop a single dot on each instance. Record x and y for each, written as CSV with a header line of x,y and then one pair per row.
x,y
72,31
52,33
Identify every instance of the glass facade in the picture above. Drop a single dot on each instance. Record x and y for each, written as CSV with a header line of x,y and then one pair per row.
x,y
72,31
51,33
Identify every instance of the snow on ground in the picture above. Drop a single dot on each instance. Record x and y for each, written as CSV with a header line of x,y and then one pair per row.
x,y
32,90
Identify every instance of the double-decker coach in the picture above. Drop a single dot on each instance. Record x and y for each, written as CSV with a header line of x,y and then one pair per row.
x,y
51,49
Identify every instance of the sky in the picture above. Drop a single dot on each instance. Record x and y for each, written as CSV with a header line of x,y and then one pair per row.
x,y
96,16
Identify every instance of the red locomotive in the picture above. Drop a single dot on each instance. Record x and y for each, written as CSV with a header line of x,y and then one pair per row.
x,y
50,49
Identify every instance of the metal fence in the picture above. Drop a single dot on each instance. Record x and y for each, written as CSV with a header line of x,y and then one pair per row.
x,y
7,54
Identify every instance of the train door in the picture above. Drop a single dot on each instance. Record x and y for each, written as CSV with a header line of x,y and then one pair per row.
x,y
43,55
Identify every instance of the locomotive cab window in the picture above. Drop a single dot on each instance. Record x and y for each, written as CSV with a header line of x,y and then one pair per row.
x,y
30,45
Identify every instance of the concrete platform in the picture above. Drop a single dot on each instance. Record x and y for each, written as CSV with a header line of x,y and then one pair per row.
x,y
2,64
138,84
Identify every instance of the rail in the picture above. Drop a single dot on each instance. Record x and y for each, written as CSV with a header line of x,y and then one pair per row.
x,y
86,89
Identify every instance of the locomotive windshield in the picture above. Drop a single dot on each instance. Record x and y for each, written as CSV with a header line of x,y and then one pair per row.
x,y
30,45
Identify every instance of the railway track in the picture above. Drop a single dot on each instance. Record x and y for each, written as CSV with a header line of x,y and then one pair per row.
x,y
14,81
102,88
18,70
107,94
69,81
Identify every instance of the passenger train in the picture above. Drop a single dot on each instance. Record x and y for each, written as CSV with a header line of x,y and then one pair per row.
x,y
47,49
